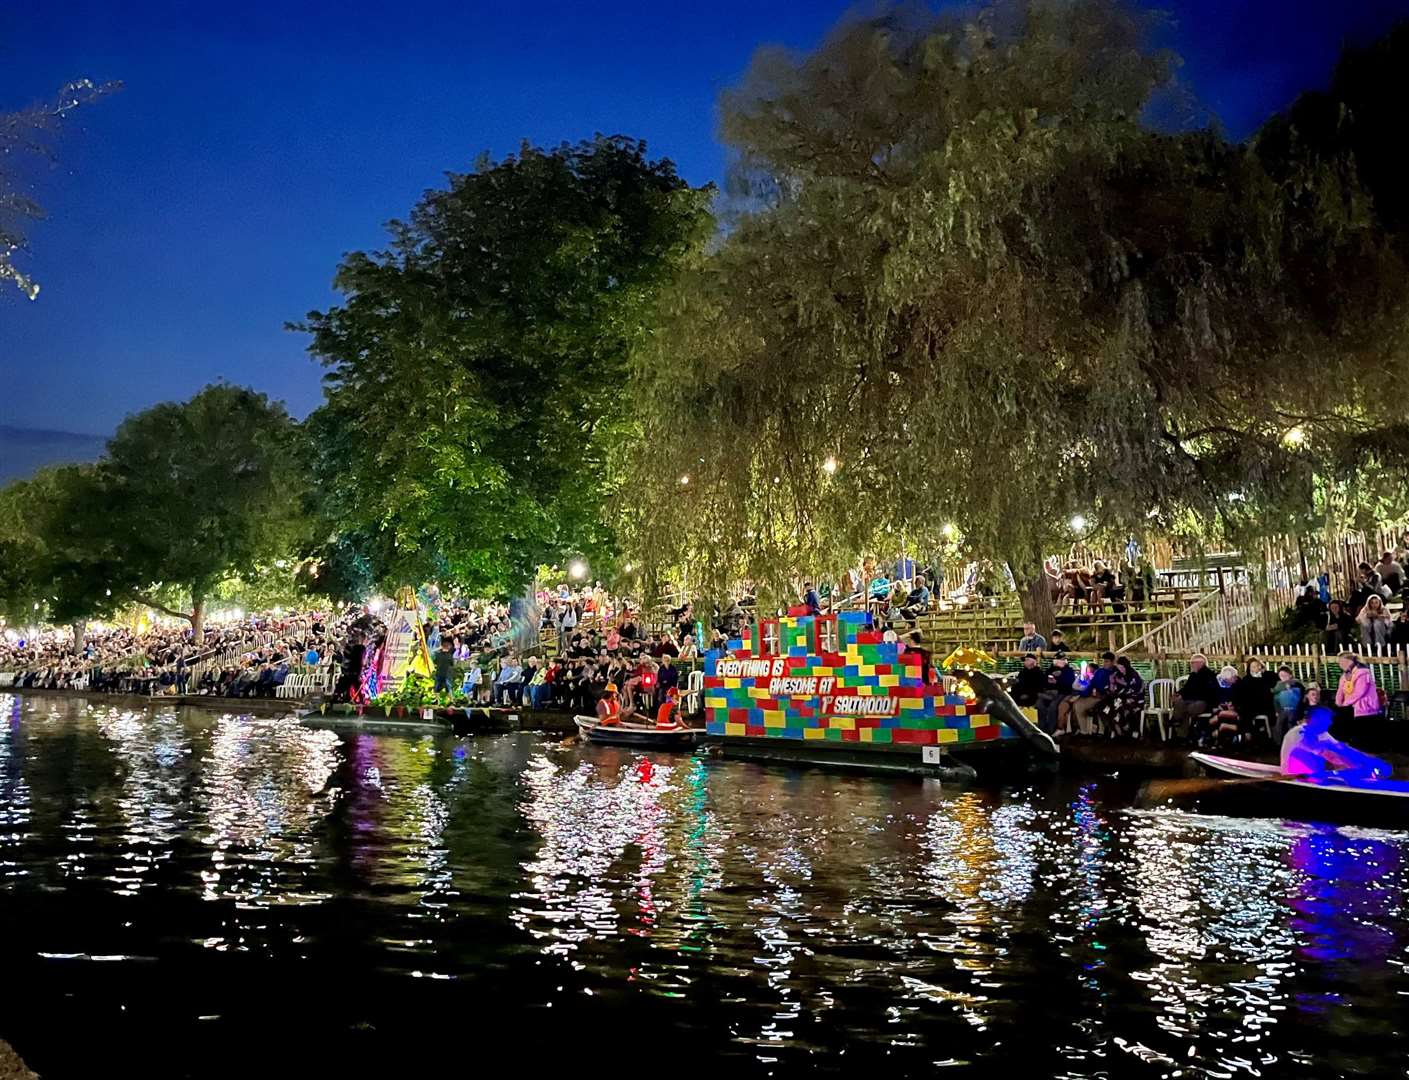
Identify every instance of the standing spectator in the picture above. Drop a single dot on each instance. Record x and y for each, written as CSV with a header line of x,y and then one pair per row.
x,y
444,664
1357,698
1339,626
1032,641
1199,694
1374,623
810,599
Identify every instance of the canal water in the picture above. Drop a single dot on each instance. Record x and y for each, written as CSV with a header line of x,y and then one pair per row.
x,y
186,893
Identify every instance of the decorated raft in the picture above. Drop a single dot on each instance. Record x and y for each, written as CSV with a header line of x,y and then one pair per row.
x,y
829,689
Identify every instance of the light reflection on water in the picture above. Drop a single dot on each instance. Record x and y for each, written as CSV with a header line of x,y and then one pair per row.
x,y
776,917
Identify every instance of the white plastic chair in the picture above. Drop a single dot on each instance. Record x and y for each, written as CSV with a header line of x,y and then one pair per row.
x,y
1159,705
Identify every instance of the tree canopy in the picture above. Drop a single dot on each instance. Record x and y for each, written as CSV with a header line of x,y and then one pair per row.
x,y
476,369
970,287
29,133
195,492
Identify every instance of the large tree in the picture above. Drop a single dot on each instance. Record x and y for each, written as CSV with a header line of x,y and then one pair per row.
x,y
476,378
197,492
970,287
56,563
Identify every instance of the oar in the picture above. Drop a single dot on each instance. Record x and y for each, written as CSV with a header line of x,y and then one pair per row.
x,y
1160,790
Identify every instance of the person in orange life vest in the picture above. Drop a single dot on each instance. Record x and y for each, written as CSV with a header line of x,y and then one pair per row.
x,y
609,708
665,715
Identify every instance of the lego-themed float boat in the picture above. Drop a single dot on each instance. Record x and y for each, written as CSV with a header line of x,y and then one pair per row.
x,y
831,690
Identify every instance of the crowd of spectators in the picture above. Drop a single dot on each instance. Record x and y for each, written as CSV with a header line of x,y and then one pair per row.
x,y
1365,617
255,654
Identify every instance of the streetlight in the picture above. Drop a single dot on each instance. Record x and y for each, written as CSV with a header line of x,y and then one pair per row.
x,y
948,532
830,465
684,480
577,570
1078,523
1295,437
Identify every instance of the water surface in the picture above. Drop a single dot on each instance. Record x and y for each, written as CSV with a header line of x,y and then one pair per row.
x,y
195,894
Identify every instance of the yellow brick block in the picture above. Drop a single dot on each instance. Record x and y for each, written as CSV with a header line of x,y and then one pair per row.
x,y
759,692
774,719
843,723
731,684
890,680
716,703
814,733
868,734
734,729
866,669
945,734
1029,712
822,671
981,720
912,703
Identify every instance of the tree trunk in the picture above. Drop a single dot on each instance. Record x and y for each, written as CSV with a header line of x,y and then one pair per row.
x,y
79,628
1035,592
198,620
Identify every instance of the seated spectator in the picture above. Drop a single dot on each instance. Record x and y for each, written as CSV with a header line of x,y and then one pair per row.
x,y
1286,700
1060,682
474,679
1399,629
540,685
917,601
1199,694
663,646
1103,586
667,678
1366,586
1120,712
1032,641
1374,623
1030,683
1253,695
1225,724
688,650
810,599
1391,573
1309,609
1098,689
508,679
1058,644
1339,629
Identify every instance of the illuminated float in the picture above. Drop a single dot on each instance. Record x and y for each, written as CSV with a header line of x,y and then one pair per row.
x,y
831,689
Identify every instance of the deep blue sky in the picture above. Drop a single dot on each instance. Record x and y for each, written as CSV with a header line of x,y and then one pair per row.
x,y
255,143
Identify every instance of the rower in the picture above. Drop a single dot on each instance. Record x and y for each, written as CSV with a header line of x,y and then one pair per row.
x,y
665,715
1309,750
609,708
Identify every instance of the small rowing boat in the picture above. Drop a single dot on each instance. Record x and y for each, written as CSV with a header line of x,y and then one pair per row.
x,y
1261,790
645,736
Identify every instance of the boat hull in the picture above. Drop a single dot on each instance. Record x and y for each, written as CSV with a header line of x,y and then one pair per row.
x,y
1334,799
637,735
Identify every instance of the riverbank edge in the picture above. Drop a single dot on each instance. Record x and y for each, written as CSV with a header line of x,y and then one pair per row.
x,y
11,1067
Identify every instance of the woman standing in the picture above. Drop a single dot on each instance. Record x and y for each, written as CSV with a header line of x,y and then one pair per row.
x,y
1357,698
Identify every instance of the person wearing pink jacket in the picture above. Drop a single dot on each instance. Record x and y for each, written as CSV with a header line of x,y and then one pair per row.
x,y
1357,690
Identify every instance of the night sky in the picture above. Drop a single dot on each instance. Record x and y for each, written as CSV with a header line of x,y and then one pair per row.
x,y
196,211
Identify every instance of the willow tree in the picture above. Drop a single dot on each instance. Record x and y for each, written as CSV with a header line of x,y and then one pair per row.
x,y
971,288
